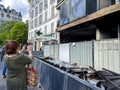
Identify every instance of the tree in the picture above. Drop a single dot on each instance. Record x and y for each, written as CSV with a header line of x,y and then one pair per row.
x,y
5,31
12,30
19,32
7,26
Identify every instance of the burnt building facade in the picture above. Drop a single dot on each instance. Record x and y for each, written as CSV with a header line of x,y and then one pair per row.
x,y
84,20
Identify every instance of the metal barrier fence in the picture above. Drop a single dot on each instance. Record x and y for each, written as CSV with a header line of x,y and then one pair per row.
x,y
53,78
38,53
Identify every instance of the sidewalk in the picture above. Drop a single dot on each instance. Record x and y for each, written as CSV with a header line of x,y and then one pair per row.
x,y
3,82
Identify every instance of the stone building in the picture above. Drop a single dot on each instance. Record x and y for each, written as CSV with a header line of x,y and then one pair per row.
x,y
43,17
7,15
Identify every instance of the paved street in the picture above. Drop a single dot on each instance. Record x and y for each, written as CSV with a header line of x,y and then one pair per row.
x,y
3,83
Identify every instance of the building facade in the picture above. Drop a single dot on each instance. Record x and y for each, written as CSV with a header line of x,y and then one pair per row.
x,y
7,15
84,20
43,17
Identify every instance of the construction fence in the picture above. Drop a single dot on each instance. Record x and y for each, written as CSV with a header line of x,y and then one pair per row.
x,y
98,54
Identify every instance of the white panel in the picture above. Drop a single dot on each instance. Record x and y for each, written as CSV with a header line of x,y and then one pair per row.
x,y
116,56
47,50
64,52
105,54
52,50
110,53
101,63
96,57
81,53
56,51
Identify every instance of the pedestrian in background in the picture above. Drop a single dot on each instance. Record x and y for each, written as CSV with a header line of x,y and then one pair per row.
x,y
2,56
2,52
41,52
15,62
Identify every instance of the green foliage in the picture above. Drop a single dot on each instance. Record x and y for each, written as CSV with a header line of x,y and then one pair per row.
x,y
13,31
19,32
7,26
5,30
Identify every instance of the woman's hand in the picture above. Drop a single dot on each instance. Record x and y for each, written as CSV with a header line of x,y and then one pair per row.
x,y
29,49
23,49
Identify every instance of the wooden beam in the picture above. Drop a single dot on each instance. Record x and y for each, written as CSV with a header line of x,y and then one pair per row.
x,y
100,13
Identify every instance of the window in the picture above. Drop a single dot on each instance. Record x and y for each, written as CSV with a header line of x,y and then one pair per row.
x,y
35,22
32,24
2,15
32,34
35,33
40,19
32,14
36,1
52,27
46,16
2,22
52,1
36,11
29,35
45,4
7,15
45,30
32,3
40,7
52,12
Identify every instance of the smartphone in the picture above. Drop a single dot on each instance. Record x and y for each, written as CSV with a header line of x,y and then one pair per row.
x,y
26,45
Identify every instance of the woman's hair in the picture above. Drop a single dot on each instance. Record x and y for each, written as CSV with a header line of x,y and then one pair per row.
x,y
11,47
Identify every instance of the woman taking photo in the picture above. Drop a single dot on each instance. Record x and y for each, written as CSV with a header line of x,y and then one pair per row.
x,y
15,62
